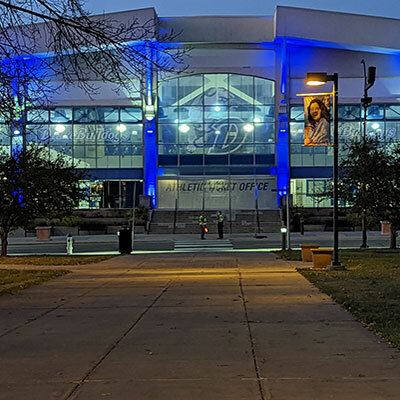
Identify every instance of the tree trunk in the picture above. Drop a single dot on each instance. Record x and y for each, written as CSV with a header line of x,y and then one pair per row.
x,y
4,243
364,231
393,236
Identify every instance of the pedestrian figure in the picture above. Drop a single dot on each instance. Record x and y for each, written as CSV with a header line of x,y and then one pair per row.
x,y
203,225
220,225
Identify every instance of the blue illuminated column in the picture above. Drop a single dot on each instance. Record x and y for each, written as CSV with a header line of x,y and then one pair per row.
x,y
150,135
282,139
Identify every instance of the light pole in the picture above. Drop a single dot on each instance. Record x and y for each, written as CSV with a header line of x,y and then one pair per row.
x,y
317,79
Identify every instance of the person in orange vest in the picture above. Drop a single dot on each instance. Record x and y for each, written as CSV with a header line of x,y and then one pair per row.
x,y
203,225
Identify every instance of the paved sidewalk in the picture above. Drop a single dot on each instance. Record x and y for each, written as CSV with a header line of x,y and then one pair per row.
x,y
193,326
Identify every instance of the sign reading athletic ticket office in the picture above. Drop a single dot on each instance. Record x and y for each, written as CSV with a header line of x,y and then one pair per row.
x,y
241,194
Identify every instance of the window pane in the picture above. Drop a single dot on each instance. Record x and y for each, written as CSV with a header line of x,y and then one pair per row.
x,y
168,92
241,148
392,111
108,156
264,113
190,134
191,149
191,114
297,113
216,89
66,151
241,113
190,90
375,130
60,134
168,134
216,114
131,114
109,133
168,115
131,133
61,115
349,112
241,90
134,161
264,133
265,148
38,116
374,112
349,131
37,134
85,156
84,115
167,148
392,131
84,134
264,91
296,132
107,114
131,149
5,138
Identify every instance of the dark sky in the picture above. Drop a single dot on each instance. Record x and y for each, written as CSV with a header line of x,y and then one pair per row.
x,y
385,8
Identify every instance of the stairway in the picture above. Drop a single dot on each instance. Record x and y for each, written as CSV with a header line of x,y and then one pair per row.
x,y
202,245
242,221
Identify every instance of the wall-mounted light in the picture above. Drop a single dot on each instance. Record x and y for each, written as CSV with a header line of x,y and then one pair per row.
x,y
60,128
150,112
248,128
184,128
375,125
121,128
217,108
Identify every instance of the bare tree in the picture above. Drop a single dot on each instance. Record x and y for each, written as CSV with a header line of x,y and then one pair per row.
x,y
48,44
78,46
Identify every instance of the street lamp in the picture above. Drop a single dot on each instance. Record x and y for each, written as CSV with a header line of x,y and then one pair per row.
x,y
318,79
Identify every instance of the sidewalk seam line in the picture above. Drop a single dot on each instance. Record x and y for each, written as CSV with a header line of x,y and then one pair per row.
x,y
252,344
116,343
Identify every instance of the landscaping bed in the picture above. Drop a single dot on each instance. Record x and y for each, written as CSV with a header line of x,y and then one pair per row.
x,y
52,260
12,280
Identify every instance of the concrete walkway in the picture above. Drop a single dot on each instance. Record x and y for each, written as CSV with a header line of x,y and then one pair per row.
x,y
188,326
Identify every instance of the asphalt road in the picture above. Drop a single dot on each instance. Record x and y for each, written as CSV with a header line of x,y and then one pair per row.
x,y
100,244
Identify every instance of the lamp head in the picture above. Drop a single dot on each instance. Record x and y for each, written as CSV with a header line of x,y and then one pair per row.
x,y
316,78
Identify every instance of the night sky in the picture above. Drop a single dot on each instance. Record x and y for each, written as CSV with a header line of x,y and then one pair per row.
x,y
385,8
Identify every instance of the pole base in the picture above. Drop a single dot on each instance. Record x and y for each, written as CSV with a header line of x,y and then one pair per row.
x,y
336,267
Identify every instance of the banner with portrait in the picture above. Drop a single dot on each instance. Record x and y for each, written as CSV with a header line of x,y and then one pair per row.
x,y
317,119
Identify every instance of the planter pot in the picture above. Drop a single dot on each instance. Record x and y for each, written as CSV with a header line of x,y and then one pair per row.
x,y
43,232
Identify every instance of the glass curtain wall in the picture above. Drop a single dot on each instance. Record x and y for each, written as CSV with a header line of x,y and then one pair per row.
x,y
90,137
204,116
383,123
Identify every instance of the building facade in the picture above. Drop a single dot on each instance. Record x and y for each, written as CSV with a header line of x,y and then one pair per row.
x,y
228,132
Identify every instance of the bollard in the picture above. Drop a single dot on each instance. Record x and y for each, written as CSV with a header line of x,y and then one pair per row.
x,y
301,226
70,244
283,231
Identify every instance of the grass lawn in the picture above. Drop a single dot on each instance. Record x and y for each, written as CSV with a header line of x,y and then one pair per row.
x,y
13,280
369,288
53,260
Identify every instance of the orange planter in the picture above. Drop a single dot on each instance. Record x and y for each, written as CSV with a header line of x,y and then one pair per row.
x,y
43,232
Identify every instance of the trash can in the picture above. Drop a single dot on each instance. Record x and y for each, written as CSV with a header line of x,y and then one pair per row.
x,y
125,241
